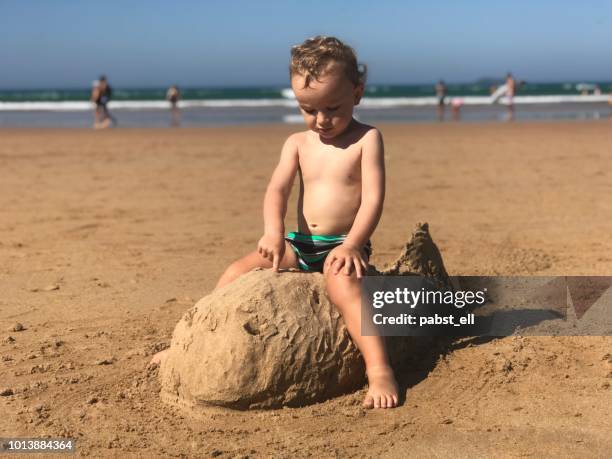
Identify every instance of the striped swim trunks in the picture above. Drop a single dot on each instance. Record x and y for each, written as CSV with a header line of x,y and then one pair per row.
x,y
312,250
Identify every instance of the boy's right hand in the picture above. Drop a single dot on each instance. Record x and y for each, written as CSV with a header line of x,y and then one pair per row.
x,y
272,247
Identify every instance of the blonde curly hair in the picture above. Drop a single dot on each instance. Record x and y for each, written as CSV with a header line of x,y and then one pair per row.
x,y
311,58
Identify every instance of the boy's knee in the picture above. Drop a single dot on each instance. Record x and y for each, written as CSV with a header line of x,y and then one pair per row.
x,y
235,269
341,287
246,264
341,278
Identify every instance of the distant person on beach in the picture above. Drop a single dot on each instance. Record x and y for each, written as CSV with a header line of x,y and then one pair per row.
x,y
340,165
441,92
173,95
101,95
456,104
507,90
510,92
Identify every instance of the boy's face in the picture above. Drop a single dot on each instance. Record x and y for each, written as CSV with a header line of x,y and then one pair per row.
x,y
327,104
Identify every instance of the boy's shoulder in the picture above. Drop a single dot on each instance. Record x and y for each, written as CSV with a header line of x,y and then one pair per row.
x,y
364,134
298,137
370,131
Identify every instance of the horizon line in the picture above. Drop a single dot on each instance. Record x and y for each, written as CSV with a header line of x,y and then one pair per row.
x,y
288,85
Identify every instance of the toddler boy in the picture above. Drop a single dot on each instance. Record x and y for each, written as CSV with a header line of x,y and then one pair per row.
x,y
342,186
340,165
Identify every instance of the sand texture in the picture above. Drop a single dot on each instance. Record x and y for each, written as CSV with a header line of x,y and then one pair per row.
x,y
108,238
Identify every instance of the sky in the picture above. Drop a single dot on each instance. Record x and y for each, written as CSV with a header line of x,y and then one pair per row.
x,y
68,43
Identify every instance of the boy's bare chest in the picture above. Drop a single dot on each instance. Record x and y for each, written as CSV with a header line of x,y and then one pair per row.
x,y
330,163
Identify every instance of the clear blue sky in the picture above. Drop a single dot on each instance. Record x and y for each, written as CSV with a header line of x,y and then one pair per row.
x,y
68,43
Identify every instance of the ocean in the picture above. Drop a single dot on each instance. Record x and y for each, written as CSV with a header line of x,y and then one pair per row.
x,y
147,107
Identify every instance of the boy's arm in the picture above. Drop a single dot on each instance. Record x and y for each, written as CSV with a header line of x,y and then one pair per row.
x,y
348,255
372,191
272,244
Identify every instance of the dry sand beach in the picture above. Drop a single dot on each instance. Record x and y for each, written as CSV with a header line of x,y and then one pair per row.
x,y
106,238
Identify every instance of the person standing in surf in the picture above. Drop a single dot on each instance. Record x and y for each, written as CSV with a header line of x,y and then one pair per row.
x,y
101,95
441,92
510,91
173,95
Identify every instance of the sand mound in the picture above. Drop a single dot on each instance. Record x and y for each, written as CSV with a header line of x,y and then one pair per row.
x,y
422,257
273,339
266,340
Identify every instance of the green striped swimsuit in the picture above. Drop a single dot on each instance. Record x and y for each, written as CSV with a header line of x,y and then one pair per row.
x,y
312,250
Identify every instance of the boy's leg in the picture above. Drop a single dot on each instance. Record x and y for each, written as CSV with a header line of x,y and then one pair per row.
x,y
256,260
344,291
239,267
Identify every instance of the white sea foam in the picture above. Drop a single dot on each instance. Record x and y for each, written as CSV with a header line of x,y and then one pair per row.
x,y
144,104
45,106
288,93
293,119
389,102
366,103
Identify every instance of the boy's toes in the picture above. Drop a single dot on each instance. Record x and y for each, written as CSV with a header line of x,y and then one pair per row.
x,y
380,401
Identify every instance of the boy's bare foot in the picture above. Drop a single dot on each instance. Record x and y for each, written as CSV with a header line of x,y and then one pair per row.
x,y
157,358
383,391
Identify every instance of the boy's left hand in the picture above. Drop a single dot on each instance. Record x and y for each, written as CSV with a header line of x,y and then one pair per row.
x,y
345,257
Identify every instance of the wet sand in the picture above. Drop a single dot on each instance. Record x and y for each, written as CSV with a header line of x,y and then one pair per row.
x,y
106,238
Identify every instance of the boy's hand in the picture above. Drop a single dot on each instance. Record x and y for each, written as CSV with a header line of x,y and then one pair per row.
x,y
272,247
345,257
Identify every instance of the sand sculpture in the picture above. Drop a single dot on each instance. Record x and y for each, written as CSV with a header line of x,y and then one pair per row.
x,y
273,339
